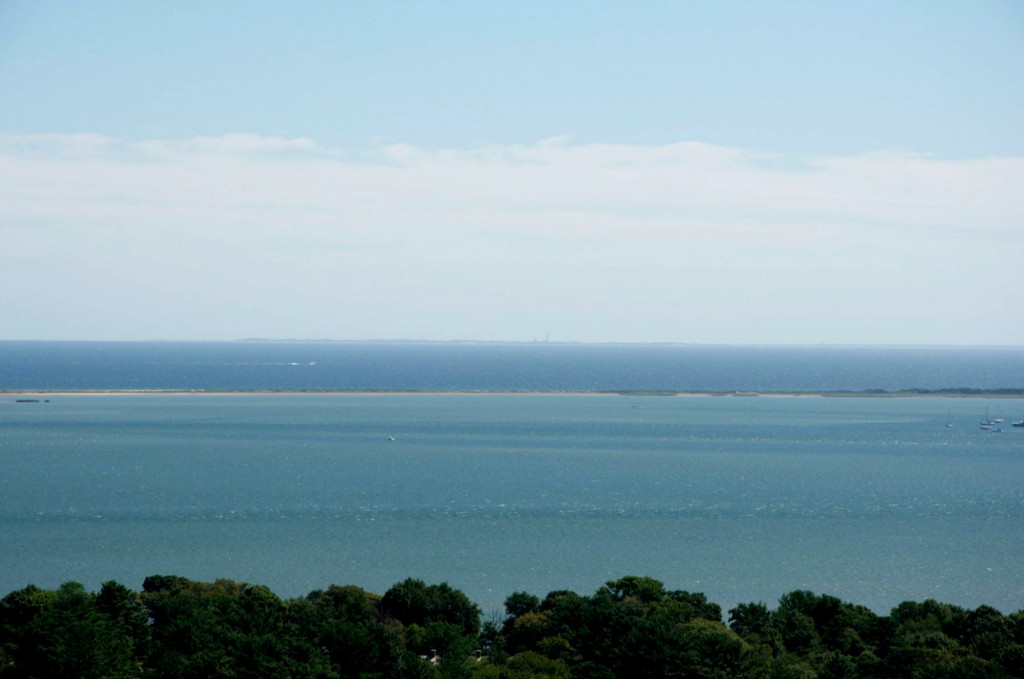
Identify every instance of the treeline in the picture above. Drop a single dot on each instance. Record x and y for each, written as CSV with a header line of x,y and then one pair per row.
x,y
631,627
947,391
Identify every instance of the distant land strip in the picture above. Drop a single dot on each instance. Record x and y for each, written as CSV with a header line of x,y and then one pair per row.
x,y
964,392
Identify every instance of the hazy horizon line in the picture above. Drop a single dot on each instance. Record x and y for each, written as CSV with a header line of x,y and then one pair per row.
x,y
325,340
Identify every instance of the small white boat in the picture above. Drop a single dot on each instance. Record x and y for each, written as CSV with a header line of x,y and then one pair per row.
x,y
987,423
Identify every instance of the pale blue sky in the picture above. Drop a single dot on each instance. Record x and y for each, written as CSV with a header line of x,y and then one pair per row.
x,y
740,172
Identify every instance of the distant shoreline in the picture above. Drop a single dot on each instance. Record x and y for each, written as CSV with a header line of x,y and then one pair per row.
x,y
868,393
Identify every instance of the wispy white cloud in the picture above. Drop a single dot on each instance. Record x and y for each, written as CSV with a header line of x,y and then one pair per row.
x,y
227,144
382,217
552,184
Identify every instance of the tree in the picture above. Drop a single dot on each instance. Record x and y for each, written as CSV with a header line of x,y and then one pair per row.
x,y
62,634
643,588
751,619
413,601
794,622
519,603
124,609
753,622
227,628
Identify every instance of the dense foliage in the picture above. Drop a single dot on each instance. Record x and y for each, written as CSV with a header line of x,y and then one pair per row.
x,y
631,627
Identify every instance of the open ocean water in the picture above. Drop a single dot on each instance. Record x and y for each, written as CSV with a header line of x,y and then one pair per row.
x,y
874,500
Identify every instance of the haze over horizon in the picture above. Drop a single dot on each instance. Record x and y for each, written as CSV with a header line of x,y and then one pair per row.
x,y
697,173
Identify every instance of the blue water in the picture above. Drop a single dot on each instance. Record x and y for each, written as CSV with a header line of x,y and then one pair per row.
x,y
512,367
874,500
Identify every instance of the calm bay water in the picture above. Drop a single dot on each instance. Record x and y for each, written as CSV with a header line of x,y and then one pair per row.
x,y
504,367
874,500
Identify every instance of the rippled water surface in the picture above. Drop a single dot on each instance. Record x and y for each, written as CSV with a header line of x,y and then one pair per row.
x,y
874,500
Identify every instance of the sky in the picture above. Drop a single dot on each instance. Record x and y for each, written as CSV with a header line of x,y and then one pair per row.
x,y
695,171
